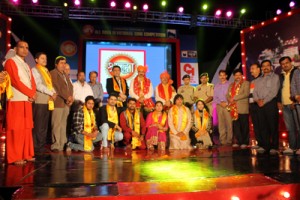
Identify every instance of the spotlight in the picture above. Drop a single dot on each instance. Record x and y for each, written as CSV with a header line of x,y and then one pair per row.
x,y
229,14
77,2
218,13
134,7
163,3
180,9
204,7
127,5
65,4
243,11
284,135
113,4
286,195
15,1
292,4
145,7
235,198
278,11
34,1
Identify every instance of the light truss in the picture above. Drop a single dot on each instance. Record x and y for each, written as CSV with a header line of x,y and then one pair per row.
x,y
93,13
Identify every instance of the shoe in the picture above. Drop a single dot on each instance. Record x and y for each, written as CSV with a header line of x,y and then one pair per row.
x,y
235,145
288,151
298,152
244,146
260,150
273,151
255,147
68,148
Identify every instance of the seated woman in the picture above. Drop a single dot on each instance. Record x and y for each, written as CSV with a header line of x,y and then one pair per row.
x,y
157,125
85,129
202,127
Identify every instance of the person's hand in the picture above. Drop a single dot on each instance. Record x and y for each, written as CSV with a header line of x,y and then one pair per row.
x,y
3,74
54,96
297,97
180,134
118,128
279,106
260,102
70,99
135,134
223,104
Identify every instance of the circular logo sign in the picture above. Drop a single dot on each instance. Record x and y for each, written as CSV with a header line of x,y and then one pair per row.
x,y
126,63
68,48
88,30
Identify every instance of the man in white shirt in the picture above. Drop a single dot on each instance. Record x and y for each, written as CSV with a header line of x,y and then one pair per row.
x,y
81,88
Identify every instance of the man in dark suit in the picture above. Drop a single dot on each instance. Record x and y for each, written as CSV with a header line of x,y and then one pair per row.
x,y
118,85
62,103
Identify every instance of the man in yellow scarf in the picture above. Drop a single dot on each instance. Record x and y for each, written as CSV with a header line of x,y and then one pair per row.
x,y
132,123
85,128
43,104
180,123
108,119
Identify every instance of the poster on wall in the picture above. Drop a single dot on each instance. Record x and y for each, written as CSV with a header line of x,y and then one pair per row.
x,y
190,69
273,39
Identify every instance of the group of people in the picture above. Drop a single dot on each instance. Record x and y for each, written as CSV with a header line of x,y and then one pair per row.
x,y
179,119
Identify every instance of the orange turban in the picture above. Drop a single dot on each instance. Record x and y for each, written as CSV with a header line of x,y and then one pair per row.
x,y
142,68
165,74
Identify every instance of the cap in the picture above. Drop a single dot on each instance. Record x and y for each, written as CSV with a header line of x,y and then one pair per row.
x,y
203,74
186,76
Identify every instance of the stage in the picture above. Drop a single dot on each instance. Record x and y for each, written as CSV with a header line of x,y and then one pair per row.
x,y
219,173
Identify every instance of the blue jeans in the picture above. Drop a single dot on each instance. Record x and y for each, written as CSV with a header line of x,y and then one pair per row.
x,y
288,117
79,138
296,136
104,130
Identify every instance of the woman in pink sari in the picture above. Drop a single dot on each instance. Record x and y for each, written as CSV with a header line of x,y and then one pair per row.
x,y
157,126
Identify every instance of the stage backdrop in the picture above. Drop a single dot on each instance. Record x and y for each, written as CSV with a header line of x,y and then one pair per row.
x,y
5,31
271,40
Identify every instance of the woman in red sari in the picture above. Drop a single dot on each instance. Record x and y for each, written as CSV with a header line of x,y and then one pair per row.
x,y
157,125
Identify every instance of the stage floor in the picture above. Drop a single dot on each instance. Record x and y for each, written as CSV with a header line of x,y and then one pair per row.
x,y
219,173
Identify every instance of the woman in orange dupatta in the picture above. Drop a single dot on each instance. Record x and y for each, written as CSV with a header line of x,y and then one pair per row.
x,y
157,125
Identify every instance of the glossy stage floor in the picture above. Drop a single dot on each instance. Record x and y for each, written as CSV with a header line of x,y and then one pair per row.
x,y
219,173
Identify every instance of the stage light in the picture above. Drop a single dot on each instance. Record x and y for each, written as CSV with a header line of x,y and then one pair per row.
x,y
286,195
34,1
218,13
15,1
229,14
204,7
278,11
65,4
235,198
292,4
113,4
180,9
3,137
284,135
163,3
77,2
145,7
243,11
134,7
127,5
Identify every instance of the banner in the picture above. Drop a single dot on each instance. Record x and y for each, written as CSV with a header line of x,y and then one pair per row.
x,y
190,69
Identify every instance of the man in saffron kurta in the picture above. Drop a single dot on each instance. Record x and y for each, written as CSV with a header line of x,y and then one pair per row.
x,y
19,144
180,123
133,125
142,90
165,92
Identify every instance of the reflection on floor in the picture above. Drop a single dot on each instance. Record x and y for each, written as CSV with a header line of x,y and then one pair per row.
x,y
219,173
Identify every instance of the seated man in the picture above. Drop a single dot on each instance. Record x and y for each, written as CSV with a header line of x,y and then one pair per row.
x,y
85,128
108,118
133,124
